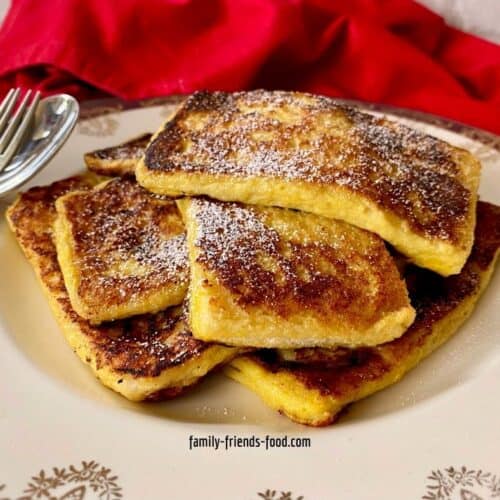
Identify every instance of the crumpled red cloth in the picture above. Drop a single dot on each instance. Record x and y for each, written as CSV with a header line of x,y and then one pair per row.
x,y
389,51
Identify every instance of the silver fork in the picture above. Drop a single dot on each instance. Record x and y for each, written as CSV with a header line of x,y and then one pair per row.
x,y
14,124
32,134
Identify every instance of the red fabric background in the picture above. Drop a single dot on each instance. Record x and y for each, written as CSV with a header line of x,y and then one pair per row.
x,y
391,51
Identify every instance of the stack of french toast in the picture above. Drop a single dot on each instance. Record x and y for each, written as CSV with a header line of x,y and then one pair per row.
x,y
314,252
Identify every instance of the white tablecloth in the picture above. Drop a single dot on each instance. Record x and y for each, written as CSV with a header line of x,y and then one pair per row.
x,y
481,17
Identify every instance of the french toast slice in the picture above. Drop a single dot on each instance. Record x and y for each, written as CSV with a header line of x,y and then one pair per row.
x,y
147,357
121,251
119,160
307,152
272,277
313,390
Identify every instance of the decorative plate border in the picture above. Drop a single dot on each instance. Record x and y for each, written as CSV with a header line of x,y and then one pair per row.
x,y
71,483
463,483
278,495
101,107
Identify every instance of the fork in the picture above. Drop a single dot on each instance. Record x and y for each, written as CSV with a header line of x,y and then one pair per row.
x,y
14,124
32,134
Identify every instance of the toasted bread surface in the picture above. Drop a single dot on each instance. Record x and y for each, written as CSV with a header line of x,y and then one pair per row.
x,y
271,277
119,160
151,356
313,390
306,152
121,251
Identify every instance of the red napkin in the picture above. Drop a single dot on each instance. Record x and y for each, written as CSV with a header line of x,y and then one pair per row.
x,y
391,51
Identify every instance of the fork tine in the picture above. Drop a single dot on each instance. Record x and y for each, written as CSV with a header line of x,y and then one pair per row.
x,y
6,100
6,107
20,131
13,123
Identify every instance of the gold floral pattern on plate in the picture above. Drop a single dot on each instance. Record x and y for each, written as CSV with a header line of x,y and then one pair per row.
x,y
97,121
101,107
102,126
279,495
83,482
462,484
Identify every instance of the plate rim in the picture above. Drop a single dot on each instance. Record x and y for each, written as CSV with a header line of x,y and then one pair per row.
x,y
101,107
94,108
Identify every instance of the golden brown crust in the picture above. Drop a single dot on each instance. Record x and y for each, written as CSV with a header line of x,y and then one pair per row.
x,y
286,273
311,355
148,344
302,137
32,214
142,346
345,375
271,277
125,245
119,160
433,296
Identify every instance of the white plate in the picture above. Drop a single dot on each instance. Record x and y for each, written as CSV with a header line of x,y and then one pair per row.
x,y
62,433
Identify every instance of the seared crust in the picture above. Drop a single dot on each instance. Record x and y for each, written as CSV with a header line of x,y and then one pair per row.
x,y
331,382
118,160
144,357
121,251
270,277
333,155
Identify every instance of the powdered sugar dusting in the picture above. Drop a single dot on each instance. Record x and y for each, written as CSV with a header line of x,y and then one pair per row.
x,y
264,258
294,136
228,232
126,242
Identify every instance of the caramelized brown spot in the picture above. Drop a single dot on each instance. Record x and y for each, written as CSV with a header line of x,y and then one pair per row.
x,y
145,345
357,367
316,355
118,160
295,136
432,296
487,234
142,346
121,223
131,149
37,204
285,276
